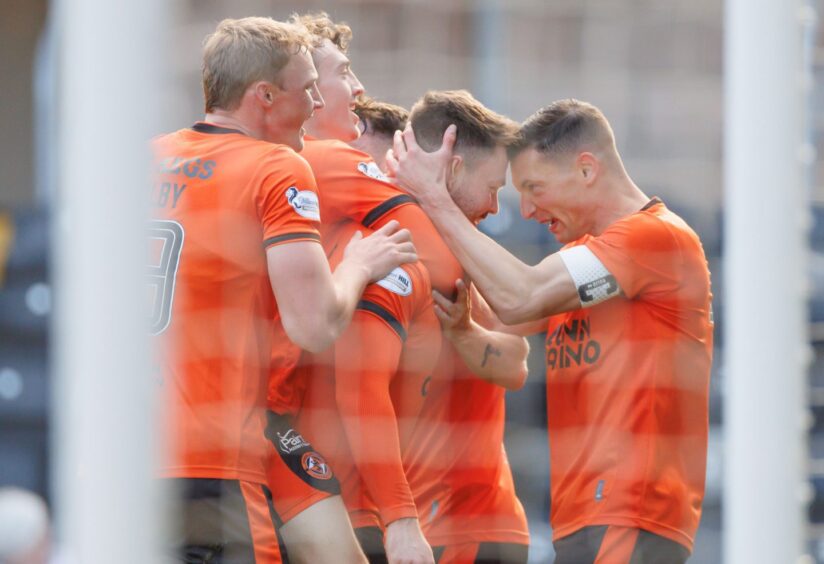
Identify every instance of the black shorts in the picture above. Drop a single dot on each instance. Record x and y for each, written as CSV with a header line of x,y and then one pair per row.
x,y
225,522
371,542
298,475
482,553
618,545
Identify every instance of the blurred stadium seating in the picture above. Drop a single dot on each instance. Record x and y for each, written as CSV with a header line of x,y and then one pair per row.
x,y
25,306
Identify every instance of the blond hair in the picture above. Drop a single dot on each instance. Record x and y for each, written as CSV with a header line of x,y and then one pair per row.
x,y
243,51
478,126
382,118
321,27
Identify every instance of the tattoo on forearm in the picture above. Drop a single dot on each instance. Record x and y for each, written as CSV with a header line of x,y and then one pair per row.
x,y
488,351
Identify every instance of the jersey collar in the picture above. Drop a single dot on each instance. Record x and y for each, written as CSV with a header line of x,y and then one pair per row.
x,y
654,201
203,127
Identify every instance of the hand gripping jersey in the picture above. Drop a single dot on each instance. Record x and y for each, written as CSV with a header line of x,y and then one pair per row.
x,y
627,385
220,200
364,397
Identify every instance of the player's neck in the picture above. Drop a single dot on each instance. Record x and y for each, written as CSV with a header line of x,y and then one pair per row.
x,y
618,198
230,120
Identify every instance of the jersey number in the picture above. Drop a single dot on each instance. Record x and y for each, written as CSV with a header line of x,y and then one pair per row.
x,y
165,245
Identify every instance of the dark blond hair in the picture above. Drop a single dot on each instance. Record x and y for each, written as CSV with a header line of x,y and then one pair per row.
x,y
564,127
244,51
478,126
382,118
321,27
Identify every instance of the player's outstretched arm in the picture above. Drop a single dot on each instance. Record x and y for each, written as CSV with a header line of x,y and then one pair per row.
x,y
315,304
516,292
499,358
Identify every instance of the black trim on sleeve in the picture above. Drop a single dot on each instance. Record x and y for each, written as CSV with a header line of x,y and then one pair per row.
x,y
366,305
203,127
290,236
382,209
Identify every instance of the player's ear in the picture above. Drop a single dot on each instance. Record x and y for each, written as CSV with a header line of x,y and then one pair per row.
x,y
588,167
264,92
456,163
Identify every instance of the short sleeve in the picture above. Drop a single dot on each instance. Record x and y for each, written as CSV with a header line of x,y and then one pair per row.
x,y
444,269
352,184
288,202
641,252
392,300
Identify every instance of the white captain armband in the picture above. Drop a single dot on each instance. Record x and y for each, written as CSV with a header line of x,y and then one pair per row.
x,y
593,281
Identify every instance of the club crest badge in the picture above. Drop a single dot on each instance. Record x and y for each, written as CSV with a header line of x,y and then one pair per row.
x,y
315,465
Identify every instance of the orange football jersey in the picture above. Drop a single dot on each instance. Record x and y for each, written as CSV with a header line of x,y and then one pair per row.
x,y
628,385
220,200
458,465
364,397
352,187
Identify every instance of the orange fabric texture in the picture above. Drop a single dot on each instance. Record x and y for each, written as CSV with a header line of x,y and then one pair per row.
x,y
381,364
446,424
351,189
628,385
220,198
290,494
264,537
458,465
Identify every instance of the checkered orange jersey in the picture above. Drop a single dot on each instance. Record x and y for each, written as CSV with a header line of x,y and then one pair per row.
x,y
627,385
376,383
352,187
458,466
220,200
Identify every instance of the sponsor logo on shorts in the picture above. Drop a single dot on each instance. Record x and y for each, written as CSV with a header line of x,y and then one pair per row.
x,y
305,202
397,282
290,441
372,170
315,466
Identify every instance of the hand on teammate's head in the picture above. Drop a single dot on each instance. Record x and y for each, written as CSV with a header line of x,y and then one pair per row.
x,y
421,174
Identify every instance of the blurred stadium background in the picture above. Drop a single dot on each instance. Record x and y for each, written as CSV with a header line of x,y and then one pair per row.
x,y
654,66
